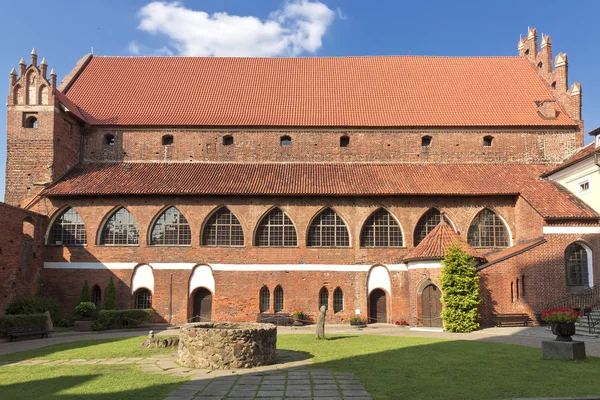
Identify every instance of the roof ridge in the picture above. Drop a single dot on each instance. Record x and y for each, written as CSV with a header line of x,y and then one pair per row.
x,y
312,57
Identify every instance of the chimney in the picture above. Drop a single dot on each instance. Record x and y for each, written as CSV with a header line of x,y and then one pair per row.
x,y
22,67
43,67
546,54
34,57
576,101
13,77
560,72
53,80
547,109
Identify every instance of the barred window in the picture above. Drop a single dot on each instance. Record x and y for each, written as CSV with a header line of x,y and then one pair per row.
x,y
276,230
171,228
428,221
68,230
120,229
381,230
323,298
143,299
328,230
577,265
265,299
97,296
488,230
278,299
223,229
338,300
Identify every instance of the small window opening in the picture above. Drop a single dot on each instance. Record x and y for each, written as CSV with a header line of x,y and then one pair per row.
x,y
527,52
426,141
540,65
584,186
167,140
518,297
344,141
553,85
227,140
488,140
285,141
109,139
31,122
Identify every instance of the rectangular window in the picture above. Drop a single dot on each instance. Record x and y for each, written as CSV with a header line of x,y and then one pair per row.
x,y
584,186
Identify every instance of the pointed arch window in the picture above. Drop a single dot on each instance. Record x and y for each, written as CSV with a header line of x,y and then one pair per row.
x,y
276,230
278,299
328,230
265,299
223,229
143,299
120,229
488,230
31,122
381,230
427,222
97,296
171,228
323,298
576,260
338,300
68,230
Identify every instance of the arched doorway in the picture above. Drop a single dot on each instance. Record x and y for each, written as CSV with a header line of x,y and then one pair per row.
x,y
431,306
377,306
202,311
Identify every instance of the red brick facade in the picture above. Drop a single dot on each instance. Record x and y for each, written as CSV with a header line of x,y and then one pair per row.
x,y
235,275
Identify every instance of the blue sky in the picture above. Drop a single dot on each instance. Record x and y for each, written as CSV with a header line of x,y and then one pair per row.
x,y
66,30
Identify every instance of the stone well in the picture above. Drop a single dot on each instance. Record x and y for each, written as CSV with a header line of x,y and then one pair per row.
x,y
226,345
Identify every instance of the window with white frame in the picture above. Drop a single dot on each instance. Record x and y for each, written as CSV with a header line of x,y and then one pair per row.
x,y
584,186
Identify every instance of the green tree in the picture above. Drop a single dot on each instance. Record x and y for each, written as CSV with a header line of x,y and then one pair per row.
x,y
85,293
460,288
110,303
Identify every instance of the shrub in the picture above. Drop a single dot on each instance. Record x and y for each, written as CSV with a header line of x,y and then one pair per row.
x,y
114,319
85,308
460,288
85,293
9,321
37,305
110,303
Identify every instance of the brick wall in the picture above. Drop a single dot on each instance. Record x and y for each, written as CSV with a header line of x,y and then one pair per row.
x,y
21,253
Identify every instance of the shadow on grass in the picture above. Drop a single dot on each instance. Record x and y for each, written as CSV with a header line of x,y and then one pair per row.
x,y
340,337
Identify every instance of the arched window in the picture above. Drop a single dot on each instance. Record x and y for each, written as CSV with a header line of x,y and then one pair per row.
x,y
285,141
265,299
426,141
328,230
381,230
109,139
31,122
323,297
276,230
278,299
428,221
97,296
540,65
223,229
227,140
576,260
488,230
344,141
171,228
338,300
68,230
120,229
487,141
143,299
167,140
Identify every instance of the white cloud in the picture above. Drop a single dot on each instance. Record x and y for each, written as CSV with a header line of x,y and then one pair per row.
x,y
136,49
298,27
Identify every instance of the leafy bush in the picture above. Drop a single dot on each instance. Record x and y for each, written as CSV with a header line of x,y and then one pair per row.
x,y
85,308
9,321
110,303
460,288
85,293
115,319
37,305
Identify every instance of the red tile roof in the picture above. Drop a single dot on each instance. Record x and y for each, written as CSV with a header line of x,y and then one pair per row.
x,y
69,105
390,91
326,179
582,154
435,245
498,256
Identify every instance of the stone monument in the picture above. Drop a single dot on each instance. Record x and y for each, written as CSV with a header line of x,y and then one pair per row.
x,y
321,323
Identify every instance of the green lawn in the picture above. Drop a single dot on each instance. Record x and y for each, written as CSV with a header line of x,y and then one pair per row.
x,y
390,368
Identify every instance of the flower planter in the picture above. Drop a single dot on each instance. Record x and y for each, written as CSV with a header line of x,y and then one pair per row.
x,y
297,319
563,331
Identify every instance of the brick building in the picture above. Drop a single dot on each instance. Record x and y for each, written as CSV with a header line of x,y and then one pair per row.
x,y
222,188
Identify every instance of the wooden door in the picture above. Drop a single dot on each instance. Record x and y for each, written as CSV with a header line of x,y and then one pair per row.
x,y
377,306
431,311
202,305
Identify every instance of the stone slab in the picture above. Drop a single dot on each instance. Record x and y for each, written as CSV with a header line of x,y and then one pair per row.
x,y
555,350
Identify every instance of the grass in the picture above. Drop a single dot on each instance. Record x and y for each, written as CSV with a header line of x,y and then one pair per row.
x,y
390,367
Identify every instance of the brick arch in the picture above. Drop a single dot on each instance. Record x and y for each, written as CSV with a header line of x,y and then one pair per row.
x,y
142,277
55,216
590,260
43,95
109,215
18,95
